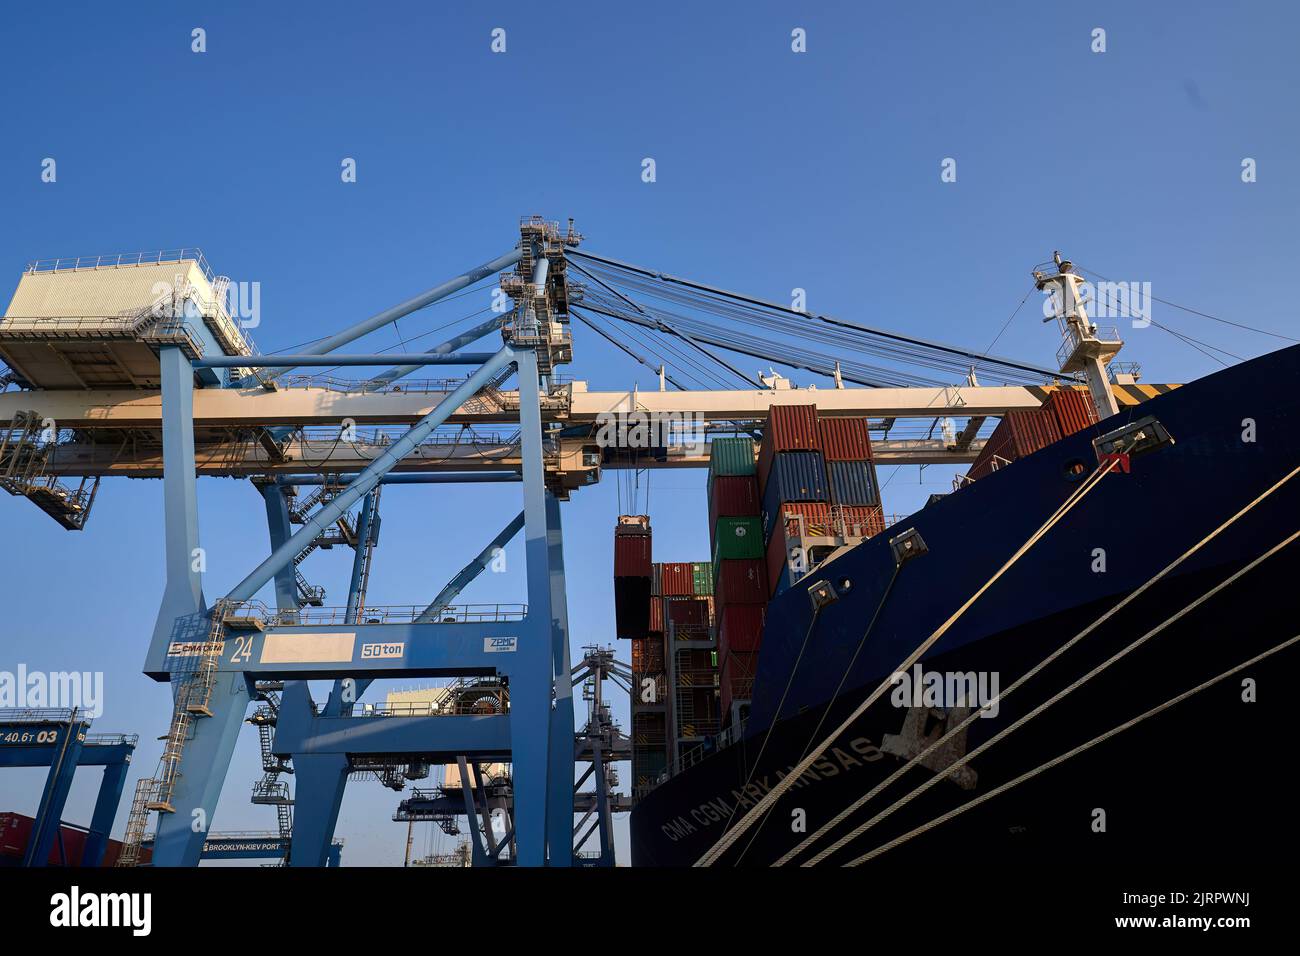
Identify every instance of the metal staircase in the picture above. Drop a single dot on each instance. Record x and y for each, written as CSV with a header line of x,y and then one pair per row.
x,y
193,699
270,790
309,595
23,459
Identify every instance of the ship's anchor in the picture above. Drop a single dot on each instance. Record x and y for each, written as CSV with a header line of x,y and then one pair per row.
x,y
923,726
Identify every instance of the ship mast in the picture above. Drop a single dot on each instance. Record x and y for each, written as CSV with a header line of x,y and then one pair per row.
x,y
1085,348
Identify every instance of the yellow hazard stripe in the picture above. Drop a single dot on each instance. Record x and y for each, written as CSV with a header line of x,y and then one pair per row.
x,y
1128,395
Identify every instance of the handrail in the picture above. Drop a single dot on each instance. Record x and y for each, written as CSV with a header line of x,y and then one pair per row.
x,y
382,614
41,715
148,258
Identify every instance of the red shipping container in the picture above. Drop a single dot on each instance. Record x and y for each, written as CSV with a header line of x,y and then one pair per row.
x,y
788,428
792,428
16,830
677,579
1073,410
844,439
741,581
863,521
1031,429
733,497
1022,432
693,612
997,446
656,615
632,555
740,628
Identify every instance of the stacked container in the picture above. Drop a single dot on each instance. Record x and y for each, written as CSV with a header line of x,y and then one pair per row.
x,y
792,481
1025,431
638,614
845,504
738,574
674,701
856,510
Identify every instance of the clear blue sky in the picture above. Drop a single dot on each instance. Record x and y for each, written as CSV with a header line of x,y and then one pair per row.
x,y
775,171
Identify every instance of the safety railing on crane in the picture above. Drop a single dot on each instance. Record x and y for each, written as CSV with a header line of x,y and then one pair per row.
x,y
259,612
151,258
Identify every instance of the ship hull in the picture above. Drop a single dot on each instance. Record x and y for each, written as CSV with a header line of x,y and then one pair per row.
x,y
1200,780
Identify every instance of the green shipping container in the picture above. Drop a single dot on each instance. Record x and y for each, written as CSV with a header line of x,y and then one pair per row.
x,y
737,538
703,578
731,456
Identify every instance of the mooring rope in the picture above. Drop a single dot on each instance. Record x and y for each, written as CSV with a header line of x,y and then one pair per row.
x,y
1057,761
1037,668
1051,701
759,809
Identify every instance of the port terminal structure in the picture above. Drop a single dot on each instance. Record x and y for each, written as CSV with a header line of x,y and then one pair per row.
x,y
114,380
61,740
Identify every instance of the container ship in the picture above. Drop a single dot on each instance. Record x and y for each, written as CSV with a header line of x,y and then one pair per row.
x,y
1081,655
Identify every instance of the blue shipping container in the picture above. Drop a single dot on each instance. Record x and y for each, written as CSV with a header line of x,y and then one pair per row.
x,y
852,483
795,476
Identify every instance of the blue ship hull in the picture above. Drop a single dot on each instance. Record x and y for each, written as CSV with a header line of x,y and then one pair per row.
x,y
1199,781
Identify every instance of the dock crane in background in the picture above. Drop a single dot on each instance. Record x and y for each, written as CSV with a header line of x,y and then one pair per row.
x,y
125,383
483,795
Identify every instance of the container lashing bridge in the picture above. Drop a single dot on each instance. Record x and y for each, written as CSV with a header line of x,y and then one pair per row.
x,y
123,382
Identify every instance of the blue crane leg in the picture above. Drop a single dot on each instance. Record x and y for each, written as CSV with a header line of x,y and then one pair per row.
x,y
531,674
183,592
559,799
359,557
101,820
320,782
49,815
280,530
207,754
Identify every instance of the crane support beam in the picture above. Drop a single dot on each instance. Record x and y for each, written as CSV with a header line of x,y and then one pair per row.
x,y
251,408
445,348
304,359
428,297
238,459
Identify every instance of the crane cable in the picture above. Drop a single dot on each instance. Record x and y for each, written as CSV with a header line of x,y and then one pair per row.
x,y
758,810
1028,675
1057,761
1204,315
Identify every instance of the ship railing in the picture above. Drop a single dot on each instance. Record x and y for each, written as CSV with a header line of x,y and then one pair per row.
x,y
1108,335
1123,368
